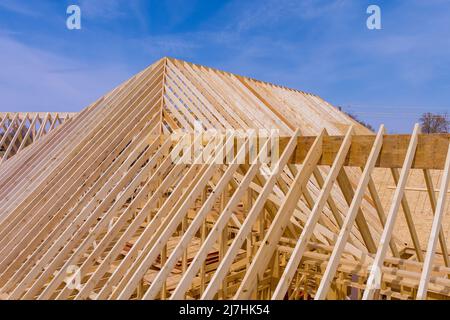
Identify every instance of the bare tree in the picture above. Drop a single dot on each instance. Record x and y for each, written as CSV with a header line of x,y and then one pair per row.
x,y
434,123
354,117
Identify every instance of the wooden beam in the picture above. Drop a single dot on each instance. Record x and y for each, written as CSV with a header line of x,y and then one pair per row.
x,y
224,217
380,212
435,231
409,219
194,227
222,270
279,224
431,150
363,227
350,218
432,196
308,229
375,273
430,154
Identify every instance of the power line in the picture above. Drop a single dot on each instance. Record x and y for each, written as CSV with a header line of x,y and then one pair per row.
x,y
444,109
394,114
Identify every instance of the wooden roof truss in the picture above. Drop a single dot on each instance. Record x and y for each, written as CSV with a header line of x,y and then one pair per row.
x,y
18,130
98,209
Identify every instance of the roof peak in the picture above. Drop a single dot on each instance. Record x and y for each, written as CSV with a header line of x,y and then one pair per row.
x,y
168,58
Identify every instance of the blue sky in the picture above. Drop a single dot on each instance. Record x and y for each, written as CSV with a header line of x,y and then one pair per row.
x,y
386,76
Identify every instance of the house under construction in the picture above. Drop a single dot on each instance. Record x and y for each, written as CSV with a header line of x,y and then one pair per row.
x,y
93,205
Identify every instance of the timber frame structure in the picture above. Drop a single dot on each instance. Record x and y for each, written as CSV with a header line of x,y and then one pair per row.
x,y
98,209
19,130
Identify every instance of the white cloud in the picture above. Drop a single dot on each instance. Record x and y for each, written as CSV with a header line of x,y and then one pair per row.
x,y
169,44
19,7
270,12
37,80
105,9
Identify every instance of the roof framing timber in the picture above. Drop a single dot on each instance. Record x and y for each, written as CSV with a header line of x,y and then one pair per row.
x,y
99,208
20,129
430,154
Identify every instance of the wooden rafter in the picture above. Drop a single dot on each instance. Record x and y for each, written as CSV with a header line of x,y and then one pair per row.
x,y
111,203
19,127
